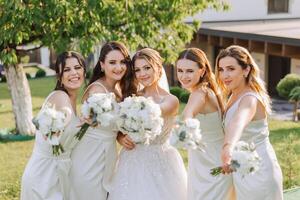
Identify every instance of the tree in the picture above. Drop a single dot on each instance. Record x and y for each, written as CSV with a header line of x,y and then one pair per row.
x,y
295,97
287,88
73,24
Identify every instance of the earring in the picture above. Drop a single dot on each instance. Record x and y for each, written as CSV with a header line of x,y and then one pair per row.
x,y
101,69
245,75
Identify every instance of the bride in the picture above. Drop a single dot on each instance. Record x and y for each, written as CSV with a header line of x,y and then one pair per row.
x,y
155,171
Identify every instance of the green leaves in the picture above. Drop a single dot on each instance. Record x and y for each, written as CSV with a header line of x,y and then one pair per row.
x,y
80,25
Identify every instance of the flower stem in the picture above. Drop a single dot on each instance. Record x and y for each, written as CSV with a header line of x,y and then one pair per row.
x,y
216,171
82,131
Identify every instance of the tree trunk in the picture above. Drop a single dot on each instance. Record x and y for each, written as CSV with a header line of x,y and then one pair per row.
x,y
21,99
296,103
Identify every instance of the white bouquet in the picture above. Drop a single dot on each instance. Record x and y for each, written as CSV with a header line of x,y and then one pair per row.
x,y
186,134
245,160
100,108
140,118
51,124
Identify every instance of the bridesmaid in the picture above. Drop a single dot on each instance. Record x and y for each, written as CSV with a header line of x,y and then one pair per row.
x,y
205,104
46,175
246,119
155,171
94,158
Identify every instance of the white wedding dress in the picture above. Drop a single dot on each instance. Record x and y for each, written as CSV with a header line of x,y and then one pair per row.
x,y
266,183
154,172
47,176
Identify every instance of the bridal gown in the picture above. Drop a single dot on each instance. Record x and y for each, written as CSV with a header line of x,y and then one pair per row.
x,y
201,184
93,162
266,183
47,176
150,172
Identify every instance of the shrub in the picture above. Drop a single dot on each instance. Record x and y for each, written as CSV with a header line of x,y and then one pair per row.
x,y
89,73
3,79
28,76
184,96
285,85
295,94
40,73
176,91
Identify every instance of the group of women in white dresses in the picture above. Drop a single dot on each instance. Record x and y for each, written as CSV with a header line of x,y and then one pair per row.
x,y
231,105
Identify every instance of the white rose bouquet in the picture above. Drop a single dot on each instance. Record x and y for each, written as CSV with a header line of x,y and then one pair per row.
x,y
245,160
186,135
140,118
100,108
51,124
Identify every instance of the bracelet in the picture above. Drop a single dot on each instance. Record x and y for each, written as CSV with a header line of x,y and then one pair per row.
x,y
226,144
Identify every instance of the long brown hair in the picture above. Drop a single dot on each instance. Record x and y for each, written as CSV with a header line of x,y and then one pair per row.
x,y
127,83
244,59
208,79
61,64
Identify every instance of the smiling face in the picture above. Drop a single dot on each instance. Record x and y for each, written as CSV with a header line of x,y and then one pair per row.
x,y
231,73
73,74
145,73
114,65
188,73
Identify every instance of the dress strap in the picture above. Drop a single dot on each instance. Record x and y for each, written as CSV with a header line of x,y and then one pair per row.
x,y
249,94
95,83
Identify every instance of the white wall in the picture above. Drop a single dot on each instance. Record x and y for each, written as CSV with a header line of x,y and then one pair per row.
x,y
248,10
45,56
295,66
260,60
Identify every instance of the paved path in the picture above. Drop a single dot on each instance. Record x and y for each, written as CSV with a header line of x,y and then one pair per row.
x,y
282,110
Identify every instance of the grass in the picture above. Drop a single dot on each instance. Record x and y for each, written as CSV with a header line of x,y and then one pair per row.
x,y
39,88
31,70
14,155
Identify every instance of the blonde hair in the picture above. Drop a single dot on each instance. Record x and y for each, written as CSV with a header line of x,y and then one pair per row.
x,y
244,59
151,56
208,79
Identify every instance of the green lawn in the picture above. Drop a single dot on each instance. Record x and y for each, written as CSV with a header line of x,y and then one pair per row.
x,y
40,88
14,155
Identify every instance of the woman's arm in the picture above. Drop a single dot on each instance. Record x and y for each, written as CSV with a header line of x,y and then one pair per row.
x,y
169,106
233,131
61,102
195,104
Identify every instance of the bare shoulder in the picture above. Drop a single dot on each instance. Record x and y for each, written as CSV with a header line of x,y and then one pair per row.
x,y
58,97
248,101
199,93
171,99
61,101
92,89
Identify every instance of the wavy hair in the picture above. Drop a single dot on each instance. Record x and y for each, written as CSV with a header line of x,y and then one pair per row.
x,y
127,84
244,59
208,79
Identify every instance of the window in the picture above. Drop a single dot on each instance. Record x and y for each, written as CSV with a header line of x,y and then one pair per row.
x,y
278,6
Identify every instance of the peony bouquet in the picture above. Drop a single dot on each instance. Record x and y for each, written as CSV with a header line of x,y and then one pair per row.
x,y
100,108
140,118
186,134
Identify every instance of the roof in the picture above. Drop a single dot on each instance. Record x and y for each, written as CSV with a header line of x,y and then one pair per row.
x,y
279,31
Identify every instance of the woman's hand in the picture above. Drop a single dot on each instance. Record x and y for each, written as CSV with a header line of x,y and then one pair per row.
x,y
226,156
125,141
88,121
